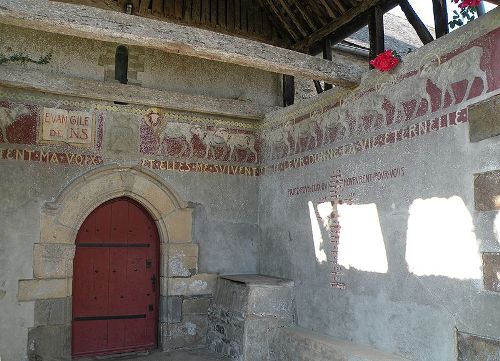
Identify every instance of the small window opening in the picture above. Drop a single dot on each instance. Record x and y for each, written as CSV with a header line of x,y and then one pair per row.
x,y
121,64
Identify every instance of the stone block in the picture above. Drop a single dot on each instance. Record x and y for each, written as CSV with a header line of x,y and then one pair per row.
x,y
53,260
190,333
484,119
30,290
53,232
179,225
195,305
232,295
271,301
475,348
49,343
487,191
491,271
156,196
53,312
200,284
182,259
163,286
170,309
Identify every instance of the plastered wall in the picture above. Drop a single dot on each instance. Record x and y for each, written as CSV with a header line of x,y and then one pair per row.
x,y
369,203
154,69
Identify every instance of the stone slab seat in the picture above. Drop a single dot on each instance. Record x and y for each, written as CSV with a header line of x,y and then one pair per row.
x,y
298,344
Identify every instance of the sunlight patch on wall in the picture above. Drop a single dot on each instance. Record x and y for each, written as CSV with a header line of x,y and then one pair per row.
x,y
316,233
361,244
440,239
496,226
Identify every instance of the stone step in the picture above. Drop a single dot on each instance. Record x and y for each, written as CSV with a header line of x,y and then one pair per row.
x,y
298,344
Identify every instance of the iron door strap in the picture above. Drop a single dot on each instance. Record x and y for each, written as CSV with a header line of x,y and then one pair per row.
x,y
153,282
120,317
111,245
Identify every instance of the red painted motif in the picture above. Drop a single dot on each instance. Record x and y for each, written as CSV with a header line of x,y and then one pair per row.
x,y
162,137
441,82
115,281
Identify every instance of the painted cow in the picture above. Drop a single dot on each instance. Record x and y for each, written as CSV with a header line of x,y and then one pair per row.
x,y
304,130
277,138
235,141
334,122
180,132
404,91
464,66
9,116
210,139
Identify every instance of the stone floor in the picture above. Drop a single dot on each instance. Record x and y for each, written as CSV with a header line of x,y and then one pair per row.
x,y
194,355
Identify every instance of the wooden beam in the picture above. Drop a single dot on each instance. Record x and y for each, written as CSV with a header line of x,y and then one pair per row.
x,y
97,24
293,17
327,55
376,32
317,85
328,9
349,20
440,17
306,17
422,31
274,10
288,90
17,77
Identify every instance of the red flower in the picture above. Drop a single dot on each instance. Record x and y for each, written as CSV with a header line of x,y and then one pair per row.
x,y
468,3
385,61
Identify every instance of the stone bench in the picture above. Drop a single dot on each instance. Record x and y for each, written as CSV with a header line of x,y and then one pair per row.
x,y
298,344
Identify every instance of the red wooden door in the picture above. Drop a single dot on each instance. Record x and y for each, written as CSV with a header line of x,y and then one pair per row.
x,y
115,281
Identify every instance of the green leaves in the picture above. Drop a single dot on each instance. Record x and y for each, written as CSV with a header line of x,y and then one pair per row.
x,y
19,58
468,13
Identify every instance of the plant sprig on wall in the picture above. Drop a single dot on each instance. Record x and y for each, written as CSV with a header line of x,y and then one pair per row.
x,y
468,10
20,58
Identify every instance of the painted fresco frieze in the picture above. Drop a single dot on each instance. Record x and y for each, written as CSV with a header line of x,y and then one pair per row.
x,y
439,84
164,137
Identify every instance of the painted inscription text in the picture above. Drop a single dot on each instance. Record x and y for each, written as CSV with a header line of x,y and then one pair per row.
x,y
63,126
50,157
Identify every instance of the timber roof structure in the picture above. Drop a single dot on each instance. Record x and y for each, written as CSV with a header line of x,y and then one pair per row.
x,y
280,36
301,25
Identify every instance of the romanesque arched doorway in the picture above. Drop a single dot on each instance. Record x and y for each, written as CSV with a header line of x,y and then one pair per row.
x,y
116,281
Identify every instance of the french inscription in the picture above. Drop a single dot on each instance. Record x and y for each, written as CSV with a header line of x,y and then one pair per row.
x,y
376,176
41,156
377,141
63,126
202,167
312,188
335,197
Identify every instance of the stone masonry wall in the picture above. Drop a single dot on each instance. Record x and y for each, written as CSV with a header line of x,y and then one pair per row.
x,y
53,173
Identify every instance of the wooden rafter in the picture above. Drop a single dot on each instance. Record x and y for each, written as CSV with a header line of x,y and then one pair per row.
x,y
440,17
328,9
420,28
376,32
327,55
305,16
339,6
103,25
288,90
348,23
292,16
269,4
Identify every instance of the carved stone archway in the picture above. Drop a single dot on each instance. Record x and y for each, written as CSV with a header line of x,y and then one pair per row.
x,y
53,254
